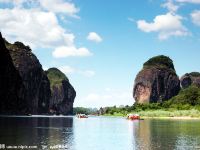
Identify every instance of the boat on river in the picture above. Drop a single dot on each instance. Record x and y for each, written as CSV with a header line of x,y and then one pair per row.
x,y
82,116
133,117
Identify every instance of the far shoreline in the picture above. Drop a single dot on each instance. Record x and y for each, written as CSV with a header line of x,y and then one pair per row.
x,y
105,115
170,118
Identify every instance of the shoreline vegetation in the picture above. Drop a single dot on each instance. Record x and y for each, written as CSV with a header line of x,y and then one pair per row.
x,y
164,114
147,111
167,109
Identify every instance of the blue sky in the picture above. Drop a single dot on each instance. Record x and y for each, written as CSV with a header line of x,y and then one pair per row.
x,y
101,45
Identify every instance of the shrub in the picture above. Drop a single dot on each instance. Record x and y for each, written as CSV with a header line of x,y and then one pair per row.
x,y
190,95
161,61
195,74
55,76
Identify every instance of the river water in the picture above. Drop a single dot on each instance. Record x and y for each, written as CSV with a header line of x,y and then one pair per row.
x,y
98,133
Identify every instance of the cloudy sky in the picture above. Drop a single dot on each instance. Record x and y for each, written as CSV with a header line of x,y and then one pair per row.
x,y
101,45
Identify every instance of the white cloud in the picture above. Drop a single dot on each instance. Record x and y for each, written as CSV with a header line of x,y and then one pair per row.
x,y
166,25
16,3
33,27
60,6
66,51
71,70
56,6
92,36
108,89
37,27
170,6
195,15
66,69
189,1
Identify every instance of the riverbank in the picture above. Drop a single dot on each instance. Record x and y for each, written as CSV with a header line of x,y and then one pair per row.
x,y
164,114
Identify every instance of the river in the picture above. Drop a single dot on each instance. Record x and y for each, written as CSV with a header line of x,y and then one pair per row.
x,y
98,133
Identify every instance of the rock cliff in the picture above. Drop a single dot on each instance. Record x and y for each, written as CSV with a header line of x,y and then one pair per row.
x,y
11,88
36,92
157,81
25,87
190,78
63,94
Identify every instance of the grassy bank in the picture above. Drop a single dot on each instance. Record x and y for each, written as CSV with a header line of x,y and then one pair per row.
x,y
167,113
193,113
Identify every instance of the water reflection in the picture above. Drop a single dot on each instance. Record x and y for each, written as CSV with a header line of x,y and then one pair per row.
x,y
47,131
167,134
100,133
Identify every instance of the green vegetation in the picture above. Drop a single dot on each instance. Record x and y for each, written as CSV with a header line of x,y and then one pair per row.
x,y
21,45
186,103
161,61
155,110
82,110
190,96
16,45
194,74
170,113
55,76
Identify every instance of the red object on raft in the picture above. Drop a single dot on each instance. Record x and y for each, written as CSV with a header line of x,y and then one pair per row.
x,y
133,117
82,116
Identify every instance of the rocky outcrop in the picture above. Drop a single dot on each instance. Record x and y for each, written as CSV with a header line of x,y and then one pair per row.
x,y
11,88
190,78
157,81
36,93
63,94
25,87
